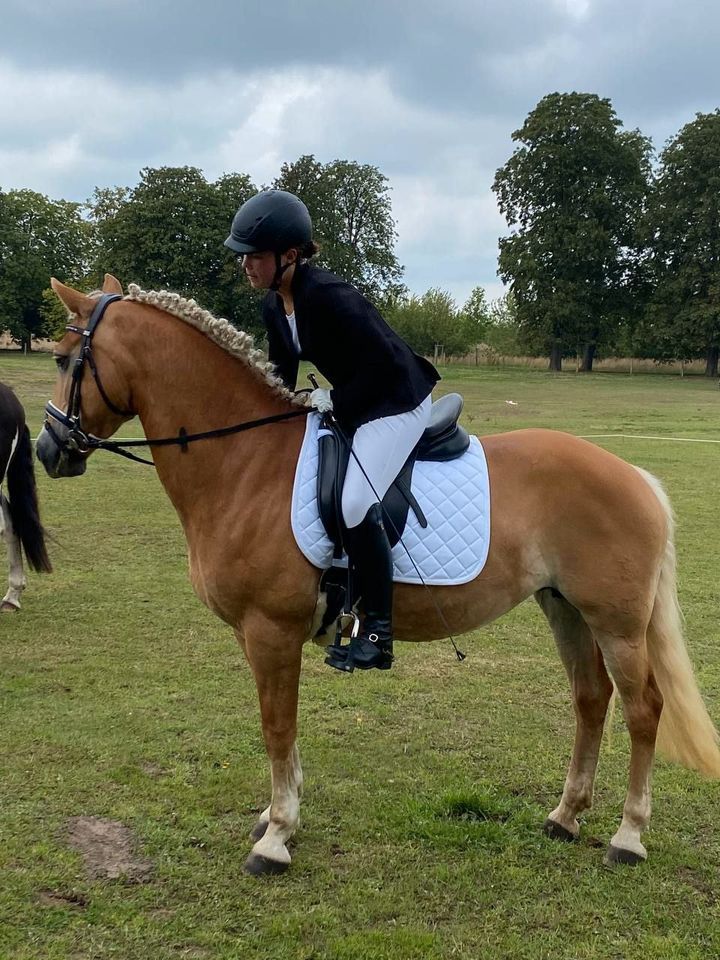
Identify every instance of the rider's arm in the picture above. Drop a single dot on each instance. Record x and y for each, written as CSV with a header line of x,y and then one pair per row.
x,y
285,360
368,344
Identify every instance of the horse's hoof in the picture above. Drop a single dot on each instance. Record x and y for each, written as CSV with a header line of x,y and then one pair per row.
x,y
259,866
618,855
557,832
258,831
7,607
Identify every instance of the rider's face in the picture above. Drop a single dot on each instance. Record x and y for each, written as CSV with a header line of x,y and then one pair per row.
x,y
260,267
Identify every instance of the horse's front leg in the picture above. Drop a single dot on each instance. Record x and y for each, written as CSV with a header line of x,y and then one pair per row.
x,y
263,820
16,576
275,657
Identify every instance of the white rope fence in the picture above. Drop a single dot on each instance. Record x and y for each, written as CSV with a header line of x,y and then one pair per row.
x,y
638,436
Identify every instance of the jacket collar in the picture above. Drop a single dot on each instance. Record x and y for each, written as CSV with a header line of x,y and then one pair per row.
x,y
301,271
298,282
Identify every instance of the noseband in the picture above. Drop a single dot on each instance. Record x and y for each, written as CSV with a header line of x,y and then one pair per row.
x,y
80,441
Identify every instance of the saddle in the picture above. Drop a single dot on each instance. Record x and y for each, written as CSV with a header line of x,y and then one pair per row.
x,y
444,439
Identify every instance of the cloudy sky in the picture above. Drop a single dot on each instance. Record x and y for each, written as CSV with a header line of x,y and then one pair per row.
x,y
91,91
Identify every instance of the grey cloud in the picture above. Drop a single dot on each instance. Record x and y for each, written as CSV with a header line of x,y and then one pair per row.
x,y
93,90
440,43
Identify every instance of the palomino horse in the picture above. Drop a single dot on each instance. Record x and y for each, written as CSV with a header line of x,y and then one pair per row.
x,y
19,517
589,535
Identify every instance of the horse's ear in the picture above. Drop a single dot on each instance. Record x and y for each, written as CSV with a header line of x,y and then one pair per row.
x,y
75,301
112,285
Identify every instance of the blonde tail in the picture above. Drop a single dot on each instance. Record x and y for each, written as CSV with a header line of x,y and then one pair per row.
x,y
686,733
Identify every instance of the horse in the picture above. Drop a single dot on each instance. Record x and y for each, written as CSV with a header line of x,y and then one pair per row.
x,y
587,534
19,514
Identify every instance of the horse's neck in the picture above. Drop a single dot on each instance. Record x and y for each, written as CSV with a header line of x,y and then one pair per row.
x,y
183,380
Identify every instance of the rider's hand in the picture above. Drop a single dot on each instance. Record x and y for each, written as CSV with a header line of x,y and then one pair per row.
x,y
321,400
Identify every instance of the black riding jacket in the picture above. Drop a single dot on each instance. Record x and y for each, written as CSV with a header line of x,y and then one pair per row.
x,y
373,372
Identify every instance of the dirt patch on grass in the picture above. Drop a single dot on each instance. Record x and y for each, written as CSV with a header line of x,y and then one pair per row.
x,y
108,849
56,898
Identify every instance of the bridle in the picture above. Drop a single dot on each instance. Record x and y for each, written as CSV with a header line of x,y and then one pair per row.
x,y
78,440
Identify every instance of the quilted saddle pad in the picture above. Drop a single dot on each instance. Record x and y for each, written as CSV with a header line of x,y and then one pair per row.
x,y
454,496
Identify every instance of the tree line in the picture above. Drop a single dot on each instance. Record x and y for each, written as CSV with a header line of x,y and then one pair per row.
x,y
611,251
608,251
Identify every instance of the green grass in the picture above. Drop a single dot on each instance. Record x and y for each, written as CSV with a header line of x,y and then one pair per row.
x,y
122,697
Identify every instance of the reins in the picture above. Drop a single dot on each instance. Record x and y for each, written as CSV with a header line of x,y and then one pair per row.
x,y
83,442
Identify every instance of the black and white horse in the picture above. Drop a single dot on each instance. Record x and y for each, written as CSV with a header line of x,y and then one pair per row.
x,y
19,518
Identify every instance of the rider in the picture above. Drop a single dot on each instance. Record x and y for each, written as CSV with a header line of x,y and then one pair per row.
x,y
380,389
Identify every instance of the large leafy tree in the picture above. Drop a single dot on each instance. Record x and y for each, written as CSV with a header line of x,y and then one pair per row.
x,y
684,229
352,219
573,191
432,323
39,237
168,232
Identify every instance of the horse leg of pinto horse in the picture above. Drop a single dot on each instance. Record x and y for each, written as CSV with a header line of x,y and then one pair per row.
x,y
275,657
591,690
627,661
16,576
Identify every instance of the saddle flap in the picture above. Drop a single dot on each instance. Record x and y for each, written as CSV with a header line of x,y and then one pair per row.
x,y
333,458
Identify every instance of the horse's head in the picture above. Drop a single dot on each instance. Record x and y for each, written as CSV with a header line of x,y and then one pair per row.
x,y
92,397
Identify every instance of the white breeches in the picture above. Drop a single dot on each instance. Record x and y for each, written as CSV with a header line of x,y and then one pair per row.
x,y
382,446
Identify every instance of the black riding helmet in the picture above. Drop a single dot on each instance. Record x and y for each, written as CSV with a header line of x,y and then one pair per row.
x,y
271,220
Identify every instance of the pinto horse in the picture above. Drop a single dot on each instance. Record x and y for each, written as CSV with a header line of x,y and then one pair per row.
x,y
590,536
19,516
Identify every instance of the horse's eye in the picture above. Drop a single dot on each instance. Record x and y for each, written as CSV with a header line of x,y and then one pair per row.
x,y
61,361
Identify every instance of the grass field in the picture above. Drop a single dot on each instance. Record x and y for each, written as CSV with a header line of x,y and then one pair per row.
x,y
426,787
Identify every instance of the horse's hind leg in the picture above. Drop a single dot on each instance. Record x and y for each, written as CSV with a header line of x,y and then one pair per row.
x,y
627,661
16,574
591,690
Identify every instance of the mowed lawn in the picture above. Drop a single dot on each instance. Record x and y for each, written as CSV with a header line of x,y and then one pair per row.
x,y
426,787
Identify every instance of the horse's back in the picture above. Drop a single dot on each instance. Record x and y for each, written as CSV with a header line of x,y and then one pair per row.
x,y
557,466
11,410
575,511
12,420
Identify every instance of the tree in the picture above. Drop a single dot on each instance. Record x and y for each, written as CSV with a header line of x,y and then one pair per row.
x,y
352,219
474,318
573,190
168,232
684,226
433,320
39,237
502,331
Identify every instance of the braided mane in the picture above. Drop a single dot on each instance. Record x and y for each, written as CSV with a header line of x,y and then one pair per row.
x,y
233,341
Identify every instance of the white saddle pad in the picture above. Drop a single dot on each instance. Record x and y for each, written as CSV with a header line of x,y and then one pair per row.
x,y
454,496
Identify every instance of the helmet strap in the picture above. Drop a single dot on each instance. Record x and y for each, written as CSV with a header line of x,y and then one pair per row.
x,y
279,271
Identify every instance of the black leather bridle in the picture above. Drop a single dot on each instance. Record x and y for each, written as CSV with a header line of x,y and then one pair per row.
x,y
80,441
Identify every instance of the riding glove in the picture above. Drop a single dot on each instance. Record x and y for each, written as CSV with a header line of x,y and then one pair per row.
x,y
321,400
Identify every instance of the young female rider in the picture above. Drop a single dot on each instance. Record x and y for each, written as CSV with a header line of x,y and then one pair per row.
x,y
380,389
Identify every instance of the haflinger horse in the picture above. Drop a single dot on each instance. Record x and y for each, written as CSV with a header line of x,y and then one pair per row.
x,y
19,514
590,536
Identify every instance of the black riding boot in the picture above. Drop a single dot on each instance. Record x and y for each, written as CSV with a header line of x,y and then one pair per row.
x,y
369,551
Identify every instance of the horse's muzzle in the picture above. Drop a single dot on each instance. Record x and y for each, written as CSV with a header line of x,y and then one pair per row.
x,y
58,460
